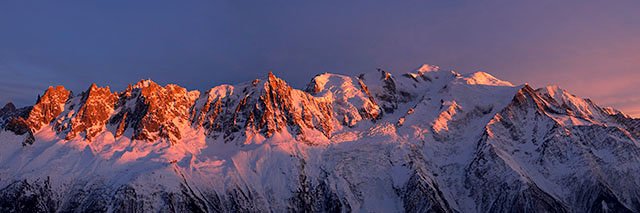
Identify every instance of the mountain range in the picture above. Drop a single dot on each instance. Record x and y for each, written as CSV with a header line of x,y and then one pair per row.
x,y
429,140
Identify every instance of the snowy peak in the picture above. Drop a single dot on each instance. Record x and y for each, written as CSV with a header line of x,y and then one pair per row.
x,y
557,94
326,82
483,78
427,68
349,97
425,72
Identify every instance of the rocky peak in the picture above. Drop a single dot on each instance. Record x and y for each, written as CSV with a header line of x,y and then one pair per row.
x,y
526,97
9,112
155,112
126,93
571,104
96,107
48,107
528,102
144,83
9,107
264,107
389,94
282,106
277,103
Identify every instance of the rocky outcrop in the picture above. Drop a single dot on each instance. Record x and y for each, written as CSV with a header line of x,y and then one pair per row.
x,y
10,112
8,108
47,108
153,112
389,96
262,107
283,106
96,106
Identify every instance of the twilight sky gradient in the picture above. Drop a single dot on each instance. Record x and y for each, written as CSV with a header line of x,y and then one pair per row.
x,y
590,47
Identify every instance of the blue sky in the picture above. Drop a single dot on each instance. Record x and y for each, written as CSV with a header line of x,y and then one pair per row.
x,y
591,48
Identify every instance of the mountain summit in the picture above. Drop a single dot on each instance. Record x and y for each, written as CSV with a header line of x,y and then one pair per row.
x,y
429,140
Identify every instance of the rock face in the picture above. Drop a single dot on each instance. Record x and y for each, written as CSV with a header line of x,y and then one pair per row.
x,y
158,111
96,106
424,141
48,107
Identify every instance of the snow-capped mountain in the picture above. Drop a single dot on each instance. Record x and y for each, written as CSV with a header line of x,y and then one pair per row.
x,y
425,141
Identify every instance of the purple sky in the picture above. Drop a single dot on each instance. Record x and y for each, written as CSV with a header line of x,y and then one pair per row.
x,y
591,48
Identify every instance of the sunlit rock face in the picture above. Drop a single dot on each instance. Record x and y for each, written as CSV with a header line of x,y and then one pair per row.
x,y
153,112
91,114
428,140
48,107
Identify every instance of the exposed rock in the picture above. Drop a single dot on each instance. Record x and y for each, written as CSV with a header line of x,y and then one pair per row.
x,y
48,107
158,111
8,108
96,108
